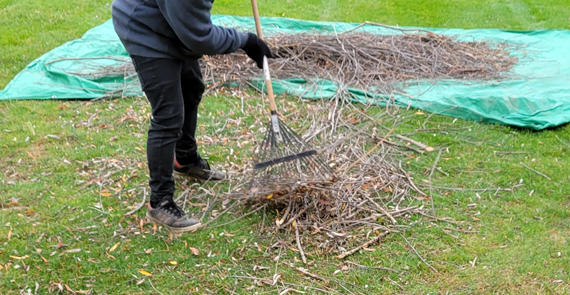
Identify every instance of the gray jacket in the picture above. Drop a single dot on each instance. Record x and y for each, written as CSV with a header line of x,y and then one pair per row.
x,y
172,29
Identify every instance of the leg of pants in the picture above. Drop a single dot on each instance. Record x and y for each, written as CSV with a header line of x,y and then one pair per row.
x,y
192,90
161,81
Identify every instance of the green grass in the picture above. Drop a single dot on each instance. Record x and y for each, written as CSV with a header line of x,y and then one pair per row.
x,y
520,240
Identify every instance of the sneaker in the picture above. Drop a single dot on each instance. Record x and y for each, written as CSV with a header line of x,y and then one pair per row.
x,y
168,214
200,170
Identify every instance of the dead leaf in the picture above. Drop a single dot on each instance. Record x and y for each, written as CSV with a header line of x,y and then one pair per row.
x,y
114,247
194,251
19,258
60,244
106,194
148,251
270,196
144,272
344,268
172,262
44,259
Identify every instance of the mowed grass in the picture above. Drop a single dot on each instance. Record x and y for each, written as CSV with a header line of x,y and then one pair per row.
x,y
57,236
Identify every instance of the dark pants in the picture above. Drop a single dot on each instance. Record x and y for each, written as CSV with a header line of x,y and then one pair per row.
x,y
174,89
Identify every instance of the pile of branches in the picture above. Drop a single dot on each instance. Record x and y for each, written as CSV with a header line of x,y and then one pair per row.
x,y
368,62
370,196
371,62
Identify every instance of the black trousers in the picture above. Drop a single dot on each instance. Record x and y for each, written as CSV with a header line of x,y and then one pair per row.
x,y
174,89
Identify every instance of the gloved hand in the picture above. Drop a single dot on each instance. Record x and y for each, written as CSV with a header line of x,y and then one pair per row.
x,y
256,48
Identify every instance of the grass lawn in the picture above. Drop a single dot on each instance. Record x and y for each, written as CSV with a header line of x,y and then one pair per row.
x,y
56,237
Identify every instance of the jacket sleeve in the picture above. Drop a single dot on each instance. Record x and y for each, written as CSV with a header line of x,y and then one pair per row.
x,y
191,22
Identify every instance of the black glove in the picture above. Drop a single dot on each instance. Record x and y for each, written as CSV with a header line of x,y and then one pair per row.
x,y
256,49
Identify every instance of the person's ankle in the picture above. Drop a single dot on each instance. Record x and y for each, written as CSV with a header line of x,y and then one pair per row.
x,y
187,159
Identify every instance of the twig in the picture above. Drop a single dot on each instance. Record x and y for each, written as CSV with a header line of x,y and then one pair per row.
x,y
473,189
371,150
241,217
139,206
293,218
416,143
507,153
376,267
439,219
154,287
430,182
411,181
563,142
423,260
299,244
305,272
535,171
284,283
384,211
365,245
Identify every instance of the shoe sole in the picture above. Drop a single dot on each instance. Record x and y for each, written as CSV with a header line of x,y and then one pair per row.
x,y
174,230
197,177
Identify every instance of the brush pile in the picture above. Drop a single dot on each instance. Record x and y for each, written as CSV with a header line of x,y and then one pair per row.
x,y
369,62
369,196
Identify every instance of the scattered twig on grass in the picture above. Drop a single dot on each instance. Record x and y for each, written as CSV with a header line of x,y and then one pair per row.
x,y
423,260
299,246
507,153
154,287
365,245
535,171
307,273
140,205
376,267
239,218
416,143
439,219
563,142
430,181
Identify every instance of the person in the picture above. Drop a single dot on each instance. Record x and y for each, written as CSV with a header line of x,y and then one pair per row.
x,y
165,40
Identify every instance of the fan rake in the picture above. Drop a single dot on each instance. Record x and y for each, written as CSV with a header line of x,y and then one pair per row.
x,y
284,158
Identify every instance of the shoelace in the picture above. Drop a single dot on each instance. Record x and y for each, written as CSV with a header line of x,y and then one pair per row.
x,y
172,208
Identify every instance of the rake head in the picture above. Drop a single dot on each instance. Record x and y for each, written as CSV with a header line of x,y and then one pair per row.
x,y
285,159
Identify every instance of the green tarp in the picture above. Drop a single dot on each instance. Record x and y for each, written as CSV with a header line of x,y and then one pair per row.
x,y
534,94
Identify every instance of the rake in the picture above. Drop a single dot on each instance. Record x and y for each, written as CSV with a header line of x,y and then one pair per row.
x,y
283,157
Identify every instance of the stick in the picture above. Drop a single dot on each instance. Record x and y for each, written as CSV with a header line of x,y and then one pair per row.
x,y
430,183
376,267
424,261
293,219
240,217
563,142
439,219
535,171
139,206
507,153
416,143
365,245
371,150
382,210
305,272
411,182
299,244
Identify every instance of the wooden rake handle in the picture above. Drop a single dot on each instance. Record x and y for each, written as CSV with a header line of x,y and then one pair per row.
x,y
272,104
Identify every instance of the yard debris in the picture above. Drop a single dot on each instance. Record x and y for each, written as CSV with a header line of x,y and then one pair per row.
x,y
371,194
